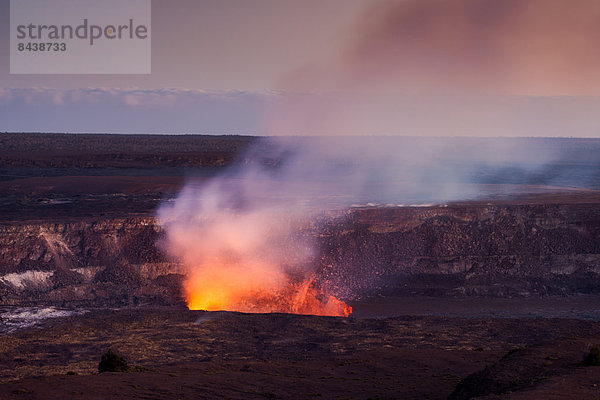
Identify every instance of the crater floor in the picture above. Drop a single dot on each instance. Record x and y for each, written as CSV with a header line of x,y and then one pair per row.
x,y
194,354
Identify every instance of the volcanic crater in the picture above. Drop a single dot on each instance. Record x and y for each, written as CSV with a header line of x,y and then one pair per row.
x,y
493,298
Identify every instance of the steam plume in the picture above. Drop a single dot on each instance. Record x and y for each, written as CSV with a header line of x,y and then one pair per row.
x,y
516,47
247,236
453,68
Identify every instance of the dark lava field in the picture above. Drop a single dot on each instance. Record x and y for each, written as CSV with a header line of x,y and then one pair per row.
x,y
177,353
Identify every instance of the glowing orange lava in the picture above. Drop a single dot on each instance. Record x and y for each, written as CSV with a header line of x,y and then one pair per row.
x,y
255,294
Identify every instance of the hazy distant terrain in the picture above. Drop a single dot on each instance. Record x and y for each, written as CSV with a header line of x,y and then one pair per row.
x,y
65,175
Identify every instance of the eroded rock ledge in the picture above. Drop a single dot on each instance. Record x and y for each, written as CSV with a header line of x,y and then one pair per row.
x,y
466,250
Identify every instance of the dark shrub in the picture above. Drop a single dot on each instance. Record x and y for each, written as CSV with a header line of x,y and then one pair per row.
x,y
139,368
593,357
112,362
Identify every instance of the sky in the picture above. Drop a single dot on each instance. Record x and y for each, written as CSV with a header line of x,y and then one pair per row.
x,y
336,67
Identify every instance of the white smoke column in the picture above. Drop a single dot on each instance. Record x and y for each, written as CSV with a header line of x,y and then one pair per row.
x,y
240,238
234,254
243,235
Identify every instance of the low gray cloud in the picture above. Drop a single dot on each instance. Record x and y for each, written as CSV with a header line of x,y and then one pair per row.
x,y
284,113
130,110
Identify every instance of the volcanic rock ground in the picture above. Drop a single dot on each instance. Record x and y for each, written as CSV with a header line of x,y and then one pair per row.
x,y
501,300
187,354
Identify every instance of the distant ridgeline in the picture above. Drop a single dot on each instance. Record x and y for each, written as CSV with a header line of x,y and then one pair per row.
x,y
531,161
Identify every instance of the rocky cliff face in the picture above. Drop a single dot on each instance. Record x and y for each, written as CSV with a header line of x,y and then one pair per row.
x,y
111,262
447,251
468,250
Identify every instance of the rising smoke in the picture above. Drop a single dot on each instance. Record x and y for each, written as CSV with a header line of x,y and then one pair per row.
x,y
412,67
480,68
245,235
513,47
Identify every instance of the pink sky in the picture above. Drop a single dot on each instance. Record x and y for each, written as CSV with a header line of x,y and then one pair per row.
x,y
424,67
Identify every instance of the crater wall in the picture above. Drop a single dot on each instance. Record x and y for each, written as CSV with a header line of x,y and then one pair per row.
x,y
466,250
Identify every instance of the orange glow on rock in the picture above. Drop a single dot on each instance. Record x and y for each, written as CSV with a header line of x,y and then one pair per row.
x,y
259,260
222,289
